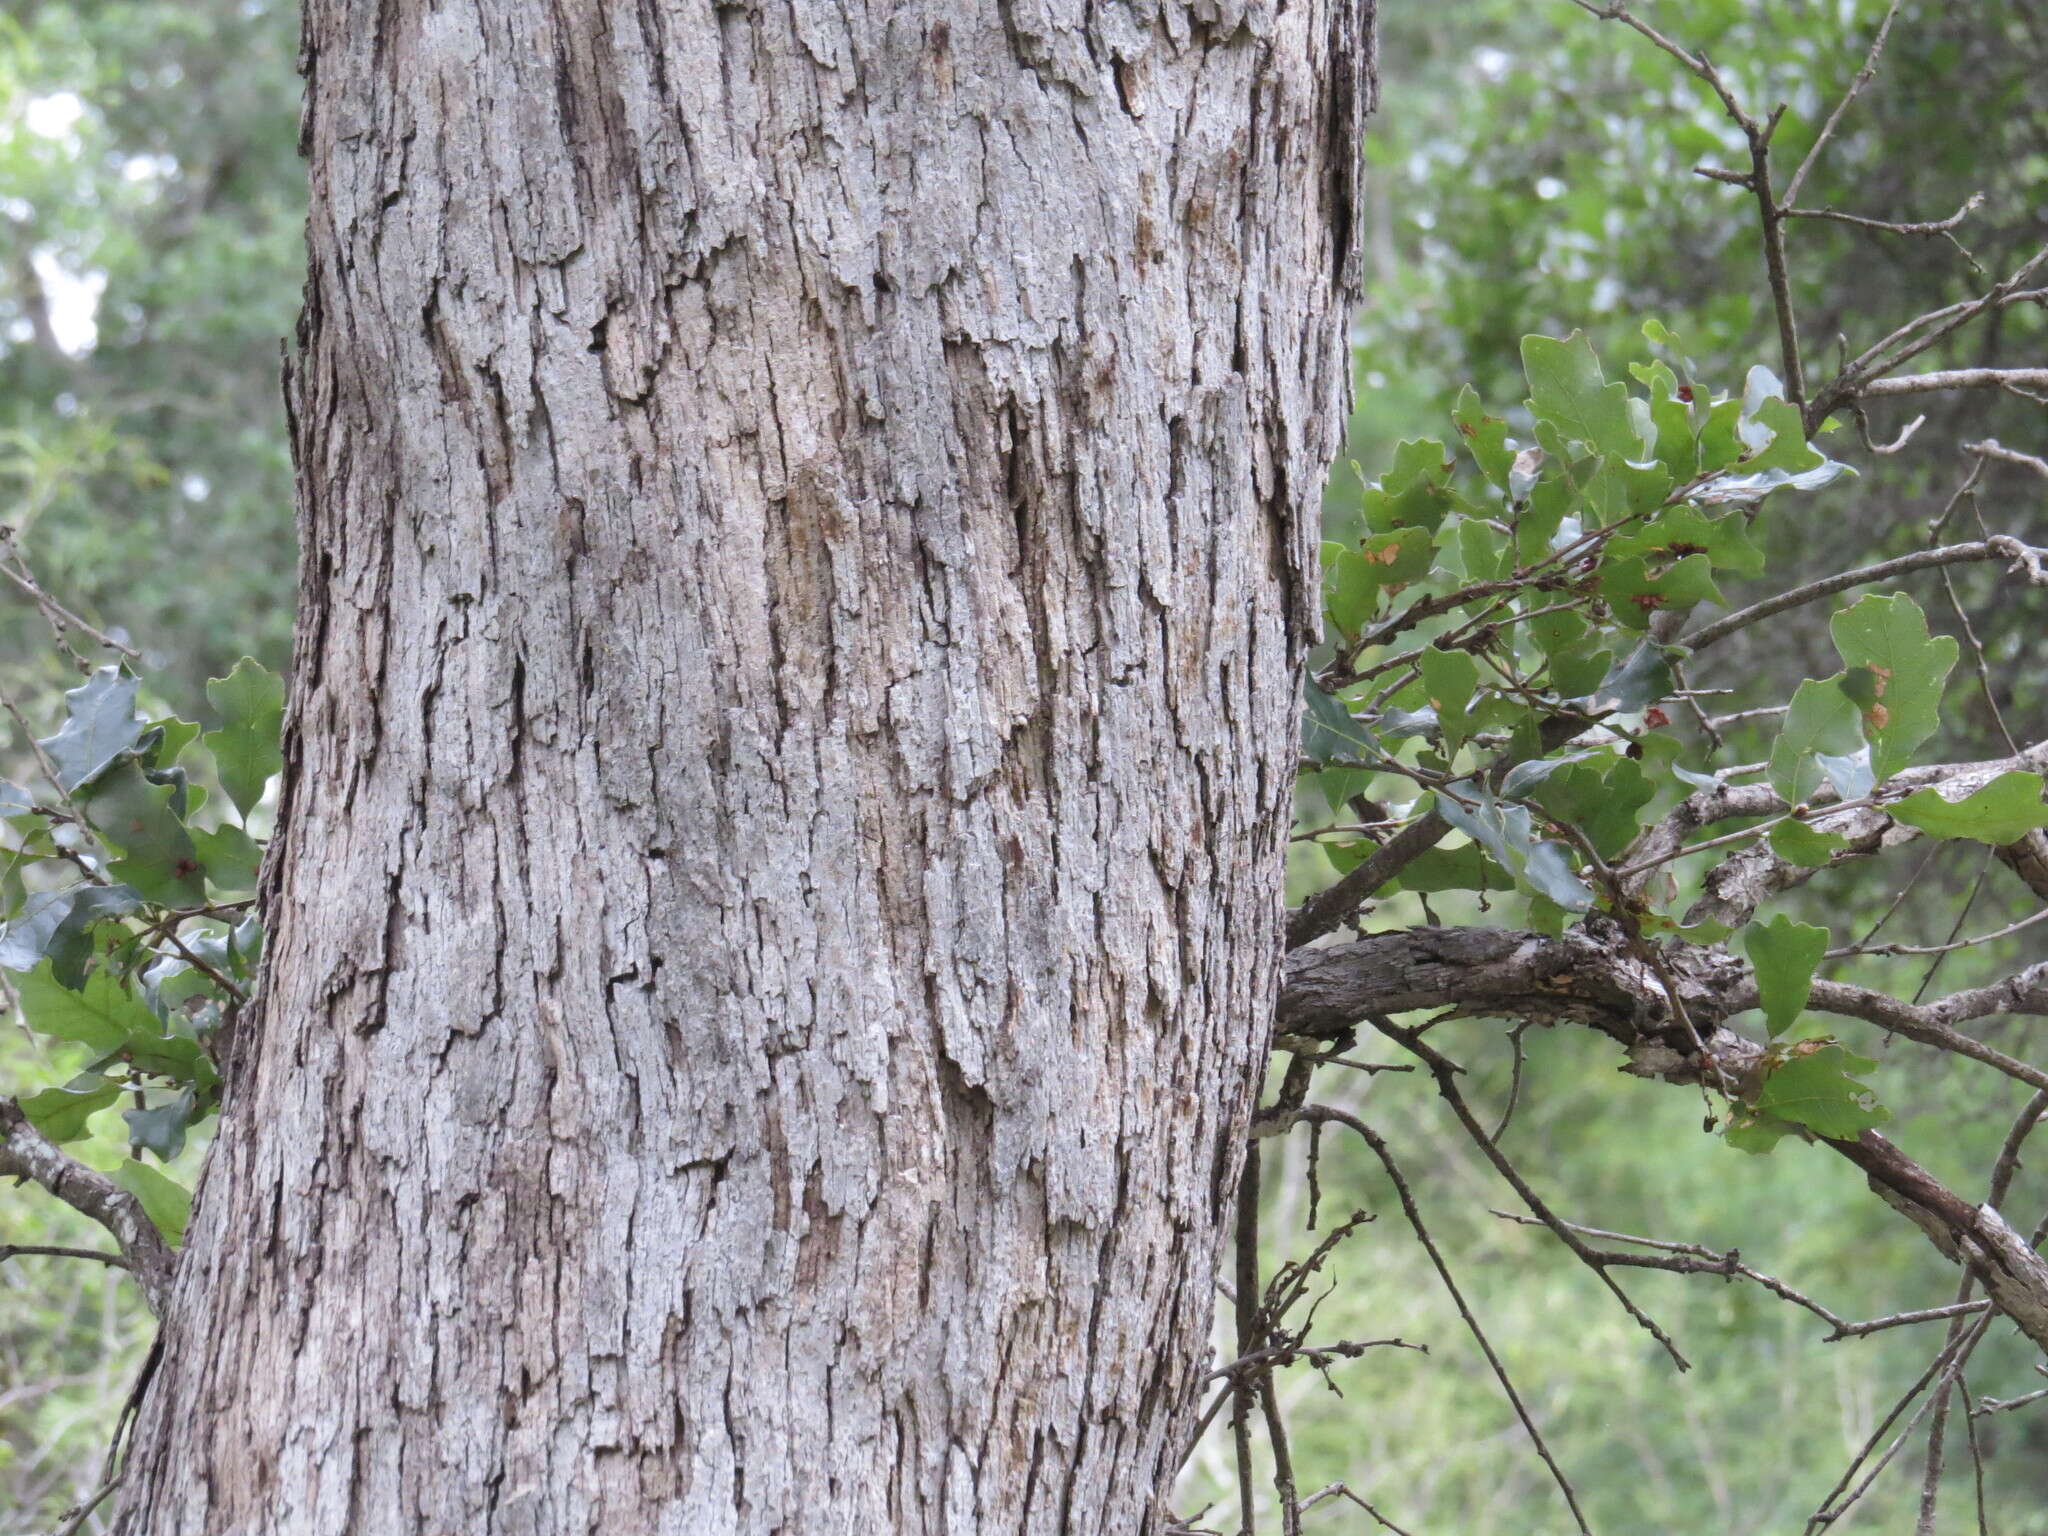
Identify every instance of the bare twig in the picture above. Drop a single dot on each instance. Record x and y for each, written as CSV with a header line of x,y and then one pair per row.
x,y
1892,226
2023,557
1991,448
1827,132
1436,1258
42,1250
1692,1259
1445,1073
1954,378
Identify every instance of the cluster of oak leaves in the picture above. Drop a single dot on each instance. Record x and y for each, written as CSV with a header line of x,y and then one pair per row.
x,y
1484,607
128,893
1500,647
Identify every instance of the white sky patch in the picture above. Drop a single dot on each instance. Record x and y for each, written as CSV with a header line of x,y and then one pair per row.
x,y
1548,187
73,301
195,487
53,116
1492,63
141,168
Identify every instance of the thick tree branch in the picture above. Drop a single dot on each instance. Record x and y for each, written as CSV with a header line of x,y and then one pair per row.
x,y
25,1153
1734,889
1587,976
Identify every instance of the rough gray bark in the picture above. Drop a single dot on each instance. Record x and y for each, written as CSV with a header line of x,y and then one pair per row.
x,y
806,520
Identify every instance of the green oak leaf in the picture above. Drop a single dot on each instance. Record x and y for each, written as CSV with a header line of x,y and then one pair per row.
x,y
1896,674
61,1113
1485,437
1537,523
246,748
1449,678
1687,530
232,857
55,926
1719,446
1822,721
1559,631
1619,490
1351,591
1484,550
1784,954
102,1015
1465,868
1754,1133
161,1127
1603,798
1797,843
1399,557
1638,680
1329,733
2003,811
1567,388
100,724
1414,493
1816,1087
136,819
165,1201
1507,831
1582,671
1635,591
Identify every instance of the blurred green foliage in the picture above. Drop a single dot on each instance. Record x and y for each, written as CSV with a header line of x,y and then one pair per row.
x,y
151,203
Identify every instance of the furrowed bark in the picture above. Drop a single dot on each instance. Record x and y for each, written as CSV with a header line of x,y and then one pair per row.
x,y
807,525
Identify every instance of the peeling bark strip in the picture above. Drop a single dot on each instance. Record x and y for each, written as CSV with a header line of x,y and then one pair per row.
x,y
806,520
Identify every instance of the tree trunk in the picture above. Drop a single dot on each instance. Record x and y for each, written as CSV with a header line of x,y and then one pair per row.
x,y
807,522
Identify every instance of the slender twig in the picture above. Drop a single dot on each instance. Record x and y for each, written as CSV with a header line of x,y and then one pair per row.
x,y
1918,335
1952,1354
2008,1161
1445,1072
1991,448
1243,1387
57,613
1938,949
1827,132
1991,1405
1436,1258
1692,1259
1954,378
42,1250
1978,551
1892,226
1339,1491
